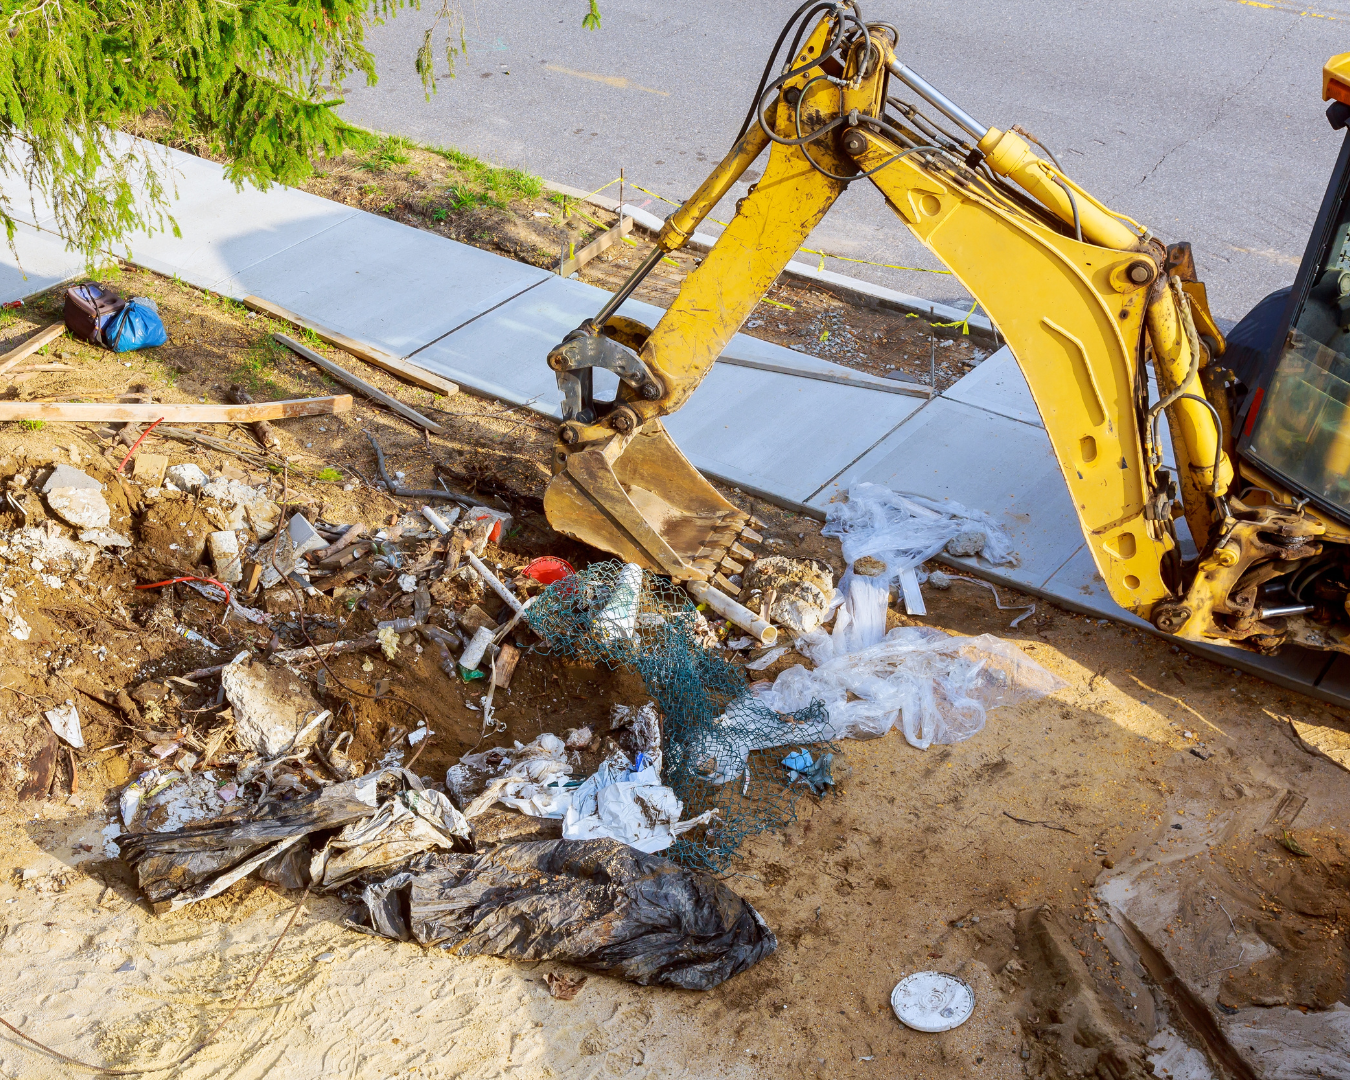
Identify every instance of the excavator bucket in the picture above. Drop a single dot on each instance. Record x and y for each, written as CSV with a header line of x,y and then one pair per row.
x,y
651,507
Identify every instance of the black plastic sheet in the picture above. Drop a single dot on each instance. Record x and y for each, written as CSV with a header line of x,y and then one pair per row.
x,y
598,904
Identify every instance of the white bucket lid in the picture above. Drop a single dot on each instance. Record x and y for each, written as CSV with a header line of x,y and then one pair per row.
x,y
932,1001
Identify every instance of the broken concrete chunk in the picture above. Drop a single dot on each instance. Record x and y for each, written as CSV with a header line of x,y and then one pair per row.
x,y
186,477
224,547
271,705
64,476
801,591
76,498
968,543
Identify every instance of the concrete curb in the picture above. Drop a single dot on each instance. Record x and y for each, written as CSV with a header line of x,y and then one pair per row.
x,y
854,289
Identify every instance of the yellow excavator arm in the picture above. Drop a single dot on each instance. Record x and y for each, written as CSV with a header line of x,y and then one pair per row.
x,y
1083,296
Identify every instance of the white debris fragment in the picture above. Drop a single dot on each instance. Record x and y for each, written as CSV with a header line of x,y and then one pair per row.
x,y
65,721
186,477
407,582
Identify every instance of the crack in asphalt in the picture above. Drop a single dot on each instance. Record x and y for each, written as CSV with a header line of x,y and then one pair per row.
x,y
1218,112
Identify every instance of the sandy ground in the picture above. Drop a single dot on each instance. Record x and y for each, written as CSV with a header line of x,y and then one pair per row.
x,y
885,878
862,889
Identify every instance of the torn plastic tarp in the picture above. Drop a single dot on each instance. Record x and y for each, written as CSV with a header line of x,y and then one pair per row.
x,y
530,778
938,685
408,824
598,904
631,805
178,868
619,800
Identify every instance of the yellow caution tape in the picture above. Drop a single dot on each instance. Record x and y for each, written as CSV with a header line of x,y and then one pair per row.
x,y
964,324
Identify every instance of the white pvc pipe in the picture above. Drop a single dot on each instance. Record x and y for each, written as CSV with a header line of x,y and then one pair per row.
x,y
760,629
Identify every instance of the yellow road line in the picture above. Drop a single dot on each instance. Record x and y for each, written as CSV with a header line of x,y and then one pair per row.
x,y
616,81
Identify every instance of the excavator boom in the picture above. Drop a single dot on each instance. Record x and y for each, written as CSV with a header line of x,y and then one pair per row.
x,y
1084,297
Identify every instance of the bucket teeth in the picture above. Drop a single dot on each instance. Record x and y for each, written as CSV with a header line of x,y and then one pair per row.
x,y
726,586
741,551
731,566
749,536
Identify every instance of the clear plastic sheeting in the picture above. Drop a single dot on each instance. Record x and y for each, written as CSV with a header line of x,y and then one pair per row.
x,y
938,686
904,531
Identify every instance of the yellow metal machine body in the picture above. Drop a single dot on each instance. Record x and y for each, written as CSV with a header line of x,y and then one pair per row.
x,y
1084,297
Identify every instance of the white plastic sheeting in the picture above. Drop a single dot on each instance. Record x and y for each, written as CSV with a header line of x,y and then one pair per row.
x,y
937,686
628,805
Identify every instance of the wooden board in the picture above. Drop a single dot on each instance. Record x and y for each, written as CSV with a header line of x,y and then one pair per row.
x,y
43,337
344,376
394,365
113,412
603,242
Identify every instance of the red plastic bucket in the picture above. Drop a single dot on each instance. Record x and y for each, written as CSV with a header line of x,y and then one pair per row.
x,y
548,569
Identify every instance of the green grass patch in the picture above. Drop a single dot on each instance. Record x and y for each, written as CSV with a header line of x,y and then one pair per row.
x,y
328,475
32,425
389,151
481,184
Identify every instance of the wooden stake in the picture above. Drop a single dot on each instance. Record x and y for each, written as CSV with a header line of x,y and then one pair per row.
x,y
603,242
371,355
507,658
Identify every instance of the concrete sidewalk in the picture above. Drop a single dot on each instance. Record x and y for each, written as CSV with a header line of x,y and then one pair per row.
x,y
798,436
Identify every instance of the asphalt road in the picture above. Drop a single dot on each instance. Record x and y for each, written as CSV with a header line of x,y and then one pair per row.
x,y
1201,118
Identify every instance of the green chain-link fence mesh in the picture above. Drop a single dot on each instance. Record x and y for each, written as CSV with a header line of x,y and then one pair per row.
x,y
712,729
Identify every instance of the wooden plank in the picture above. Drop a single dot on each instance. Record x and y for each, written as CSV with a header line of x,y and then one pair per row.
x,y
43,337
603,242
371,355
112,412
347,378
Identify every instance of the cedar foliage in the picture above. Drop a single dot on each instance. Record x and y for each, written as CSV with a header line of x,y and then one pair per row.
x,y
256,80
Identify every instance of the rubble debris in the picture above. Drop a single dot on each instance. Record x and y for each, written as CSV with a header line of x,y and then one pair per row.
x,y
530,779
224,547
76,498
597,904
414,493
149,469
181,867
271,706
801,590
563,987
186,477
818,775
630,804
904,531
710,719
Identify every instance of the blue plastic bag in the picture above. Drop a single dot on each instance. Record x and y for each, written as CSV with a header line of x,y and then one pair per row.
x,y
136,326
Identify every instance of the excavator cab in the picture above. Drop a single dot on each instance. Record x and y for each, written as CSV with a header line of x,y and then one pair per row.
x,y
1292,355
